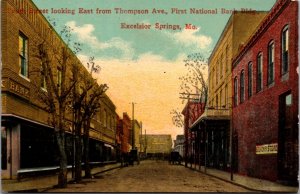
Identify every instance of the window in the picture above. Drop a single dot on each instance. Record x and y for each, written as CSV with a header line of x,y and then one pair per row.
x,y
285,50
242,87
250,79
43,79
226,58
217,74
23,55
259,83
226,95
235,91
221,66
271,63
104,118
59,75
217,102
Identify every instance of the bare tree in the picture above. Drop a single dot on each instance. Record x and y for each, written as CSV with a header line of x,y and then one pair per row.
x,y
194,85
55,64
86,102
193,88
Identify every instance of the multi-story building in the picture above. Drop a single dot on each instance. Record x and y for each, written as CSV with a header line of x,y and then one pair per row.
x,y
137,133
28,139
192,111
215,121
125,126
158,145
265,114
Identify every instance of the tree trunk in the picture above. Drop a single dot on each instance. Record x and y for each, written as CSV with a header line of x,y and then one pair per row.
x,y
63,171
78,154
86,150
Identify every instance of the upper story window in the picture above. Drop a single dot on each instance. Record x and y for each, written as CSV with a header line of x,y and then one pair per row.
x,y
104,118
242,87
271,62
43,81
259,79
23,55
235,91
250,70
59,77
285,50
226,58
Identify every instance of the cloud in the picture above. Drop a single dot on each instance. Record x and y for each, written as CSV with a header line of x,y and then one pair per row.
x,y
191,38
85,34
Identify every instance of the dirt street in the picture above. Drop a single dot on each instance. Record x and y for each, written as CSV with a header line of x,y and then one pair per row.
x,y
152,176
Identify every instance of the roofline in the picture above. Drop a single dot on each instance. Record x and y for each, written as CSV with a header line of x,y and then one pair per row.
x,y
230,20
266,22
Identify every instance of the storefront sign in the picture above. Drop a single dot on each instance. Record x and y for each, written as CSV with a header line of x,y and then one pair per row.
x,y
14,87
267,148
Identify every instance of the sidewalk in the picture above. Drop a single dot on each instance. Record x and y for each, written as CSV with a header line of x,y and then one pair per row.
x,y
40,183
247,182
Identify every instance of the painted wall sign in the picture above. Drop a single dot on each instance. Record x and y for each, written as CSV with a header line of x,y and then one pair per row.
x,y
267,148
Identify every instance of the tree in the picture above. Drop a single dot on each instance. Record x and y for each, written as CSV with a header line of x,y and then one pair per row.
x,y
86,102
56,61
193,88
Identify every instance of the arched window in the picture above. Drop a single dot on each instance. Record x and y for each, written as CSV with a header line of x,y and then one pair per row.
x,y
271,70
250,70
235,91
285,49
259,77
242,86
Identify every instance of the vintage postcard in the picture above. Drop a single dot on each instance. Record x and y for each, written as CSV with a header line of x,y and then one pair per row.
x,y
149,96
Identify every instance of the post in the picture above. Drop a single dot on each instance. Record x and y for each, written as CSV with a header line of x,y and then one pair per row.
x,y
231,146
133,146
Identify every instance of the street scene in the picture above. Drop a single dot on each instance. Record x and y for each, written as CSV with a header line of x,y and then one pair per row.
x,y
152,176
130,96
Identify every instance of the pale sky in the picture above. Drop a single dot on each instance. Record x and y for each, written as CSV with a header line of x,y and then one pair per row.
x,y
143,66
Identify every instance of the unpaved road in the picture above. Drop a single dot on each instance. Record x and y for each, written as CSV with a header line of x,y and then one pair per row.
x,y
152,176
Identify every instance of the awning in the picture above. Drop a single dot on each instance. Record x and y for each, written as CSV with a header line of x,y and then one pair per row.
x,y
211,114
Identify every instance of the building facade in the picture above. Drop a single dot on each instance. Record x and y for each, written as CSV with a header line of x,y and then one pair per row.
x,y
179,144
214,125
125,126
158,145
265,113
25,130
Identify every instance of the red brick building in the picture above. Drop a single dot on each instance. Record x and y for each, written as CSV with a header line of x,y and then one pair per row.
x,y
265,90
124,126
192,111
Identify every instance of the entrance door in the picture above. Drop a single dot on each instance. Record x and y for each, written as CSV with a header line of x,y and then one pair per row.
x,y
287,141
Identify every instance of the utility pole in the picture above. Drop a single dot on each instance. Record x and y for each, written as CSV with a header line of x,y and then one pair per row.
x,y
133,142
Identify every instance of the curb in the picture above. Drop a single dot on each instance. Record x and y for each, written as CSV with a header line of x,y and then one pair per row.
x,y
238,184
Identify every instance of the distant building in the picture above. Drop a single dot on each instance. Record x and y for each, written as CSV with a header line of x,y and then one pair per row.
x,y
158,144
124,126
179,144
137,134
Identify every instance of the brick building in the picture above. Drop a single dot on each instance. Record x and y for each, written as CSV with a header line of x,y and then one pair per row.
x,y
125,126
265,113
214,123
27,138
192,111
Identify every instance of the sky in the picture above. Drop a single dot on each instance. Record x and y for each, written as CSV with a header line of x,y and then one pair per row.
x,y
144,66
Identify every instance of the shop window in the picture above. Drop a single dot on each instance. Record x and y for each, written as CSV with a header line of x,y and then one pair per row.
x,y
3,148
